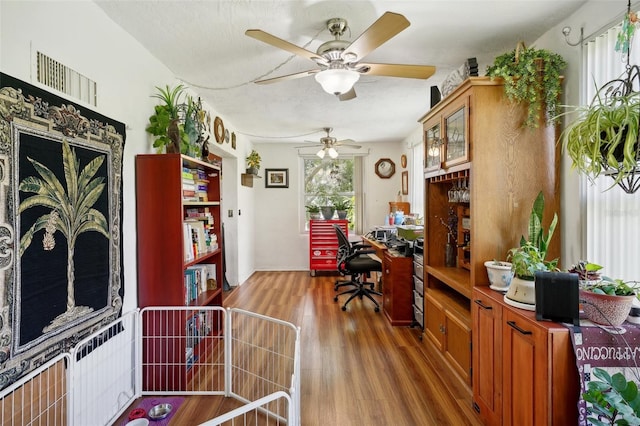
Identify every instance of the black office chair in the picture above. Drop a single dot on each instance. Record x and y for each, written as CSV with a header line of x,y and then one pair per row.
x,y
354,260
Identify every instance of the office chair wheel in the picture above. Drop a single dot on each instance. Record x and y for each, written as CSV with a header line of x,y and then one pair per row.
x,y
376,309
335,299
344,308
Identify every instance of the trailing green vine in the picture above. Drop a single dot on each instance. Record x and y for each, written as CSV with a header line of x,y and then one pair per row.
x,y
532,76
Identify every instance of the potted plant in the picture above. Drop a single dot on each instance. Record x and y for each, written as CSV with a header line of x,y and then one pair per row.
x,y
342,206
165,123
253,162
532,76
604,138
613,400
608,302
530,257
500,274
313,210
588,273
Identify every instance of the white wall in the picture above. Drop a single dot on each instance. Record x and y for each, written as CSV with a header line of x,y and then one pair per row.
x,y
79,35
280,243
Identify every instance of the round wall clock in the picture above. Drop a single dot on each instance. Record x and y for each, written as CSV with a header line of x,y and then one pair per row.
x,y
385,168
403,161
218,130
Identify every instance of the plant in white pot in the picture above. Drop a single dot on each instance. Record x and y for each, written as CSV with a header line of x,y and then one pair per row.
x,y
500,274
609,301
530,257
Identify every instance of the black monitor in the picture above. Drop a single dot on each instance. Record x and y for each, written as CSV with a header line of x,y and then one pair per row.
x,y
557,297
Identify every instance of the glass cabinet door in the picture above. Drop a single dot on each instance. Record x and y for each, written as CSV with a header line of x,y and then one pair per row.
x,y
432,148
457,137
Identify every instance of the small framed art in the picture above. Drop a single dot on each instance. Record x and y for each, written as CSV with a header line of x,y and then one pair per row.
x,y
276,178
405,182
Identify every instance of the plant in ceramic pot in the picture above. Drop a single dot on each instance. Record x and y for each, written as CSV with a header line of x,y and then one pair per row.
x,y
532,76
588,273
608,302
500,274
165,123
313,210
342,206
530,257
253,162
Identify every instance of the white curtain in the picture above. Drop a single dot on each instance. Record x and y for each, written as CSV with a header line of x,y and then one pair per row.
x,y
612,216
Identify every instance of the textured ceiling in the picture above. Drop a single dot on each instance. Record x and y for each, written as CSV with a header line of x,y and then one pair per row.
x,y
204,44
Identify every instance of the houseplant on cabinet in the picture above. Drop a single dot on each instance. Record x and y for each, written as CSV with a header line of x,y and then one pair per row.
x,y
342,206
531,76
608,301
530,257
313,210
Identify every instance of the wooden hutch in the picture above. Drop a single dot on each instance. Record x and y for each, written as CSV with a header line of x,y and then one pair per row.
x,y
485,169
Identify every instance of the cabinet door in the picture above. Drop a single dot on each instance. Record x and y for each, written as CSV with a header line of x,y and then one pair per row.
x,y
525,380
434,321
457,345
433,146
456,127
486,315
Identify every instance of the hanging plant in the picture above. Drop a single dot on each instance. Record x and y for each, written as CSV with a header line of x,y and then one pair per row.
x,y
531,76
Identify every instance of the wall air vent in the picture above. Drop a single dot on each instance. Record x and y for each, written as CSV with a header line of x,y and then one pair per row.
x,y
63,79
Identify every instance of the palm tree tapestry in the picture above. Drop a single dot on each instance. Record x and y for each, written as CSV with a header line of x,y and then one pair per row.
x,y
60,227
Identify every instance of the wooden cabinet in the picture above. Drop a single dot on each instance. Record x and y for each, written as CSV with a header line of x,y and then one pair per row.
x,y
397,287
402,206
168,204
323,244
484,169
524,370
446,326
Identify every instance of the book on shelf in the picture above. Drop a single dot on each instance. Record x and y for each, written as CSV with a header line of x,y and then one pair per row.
x,y
189,253
199,236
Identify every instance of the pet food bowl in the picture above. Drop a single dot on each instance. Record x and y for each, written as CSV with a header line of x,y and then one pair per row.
x,y
160,411
138,422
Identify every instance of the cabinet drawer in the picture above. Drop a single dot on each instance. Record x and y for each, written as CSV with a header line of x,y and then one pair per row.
x,y
323,254
417,258
418,285
419,316
417,299
418,269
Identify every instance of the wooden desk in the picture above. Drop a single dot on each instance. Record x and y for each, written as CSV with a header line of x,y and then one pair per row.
x,y
397,283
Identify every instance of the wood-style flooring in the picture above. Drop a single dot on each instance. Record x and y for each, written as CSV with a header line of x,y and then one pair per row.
x,y
356,369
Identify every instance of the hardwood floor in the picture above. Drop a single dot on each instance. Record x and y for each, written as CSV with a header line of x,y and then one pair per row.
x,y
356,368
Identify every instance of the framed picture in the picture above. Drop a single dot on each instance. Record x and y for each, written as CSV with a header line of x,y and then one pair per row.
x,y
405,182
276,178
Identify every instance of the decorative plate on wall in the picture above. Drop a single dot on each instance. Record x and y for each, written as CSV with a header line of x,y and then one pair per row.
x,y
403,161
226,135
218,129
385,168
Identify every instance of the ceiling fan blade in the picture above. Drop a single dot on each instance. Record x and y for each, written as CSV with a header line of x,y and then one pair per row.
x,y
400,70
385,28
286,77
347,96
282,44
309,146
345,141
348,145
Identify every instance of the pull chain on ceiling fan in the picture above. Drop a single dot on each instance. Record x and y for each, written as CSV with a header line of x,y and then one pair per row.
x,y
338,61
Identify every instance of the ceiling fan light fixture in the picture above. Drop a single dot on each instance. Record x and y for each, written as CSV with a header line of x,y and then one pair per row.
x,y
337,81
333,153
321,153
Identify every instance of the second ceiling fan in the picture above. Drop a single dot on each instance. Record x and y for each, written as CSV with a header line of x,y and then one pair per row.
x,y
329,144
338,61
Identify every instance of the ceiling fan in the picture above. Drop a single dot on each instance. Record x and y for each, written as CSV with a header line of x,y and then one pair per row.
x,y
338,61
329,144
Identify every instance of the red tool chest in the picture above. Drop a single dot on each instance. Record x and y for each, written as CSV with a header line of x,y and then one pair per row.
x,y
323,244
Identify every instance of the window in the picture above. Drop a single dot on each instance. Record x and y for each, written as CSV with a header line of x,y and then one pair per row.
x,y
612,216
325,180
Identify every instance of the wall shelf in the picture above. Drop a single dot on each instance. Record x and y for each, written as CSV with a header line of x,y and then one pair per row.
x,y
246,179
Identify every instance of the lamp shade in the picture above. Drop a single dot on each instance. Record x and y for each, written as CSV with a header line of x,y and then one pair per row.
x,y
337,81
333,153
320,153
